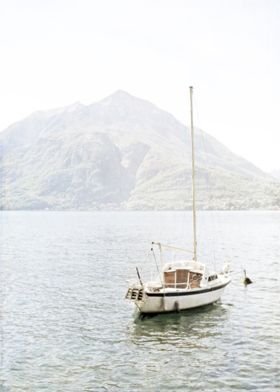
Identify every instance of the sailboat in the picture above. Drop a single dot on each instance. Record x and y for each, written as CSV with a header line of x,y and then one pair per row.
x,y
185,283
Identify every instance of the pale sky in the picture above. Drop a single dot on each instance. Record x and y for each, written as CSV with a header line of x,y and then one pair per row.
x,y
56,52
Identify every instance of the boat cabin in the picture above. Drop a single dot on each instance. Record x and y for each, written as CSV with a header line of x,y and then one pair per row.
x,y
183,274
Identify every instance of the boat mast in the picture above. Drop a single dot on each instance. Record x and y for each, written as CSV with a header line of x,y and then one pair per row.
x,y
193,179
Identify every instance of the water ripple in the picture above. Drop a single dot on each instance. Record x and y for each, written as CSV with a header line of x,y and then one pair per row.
x,y
65,325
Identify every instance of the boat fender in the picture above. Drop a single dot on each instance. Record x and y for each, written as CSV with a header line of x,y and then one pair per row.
x,y
226,268
177,306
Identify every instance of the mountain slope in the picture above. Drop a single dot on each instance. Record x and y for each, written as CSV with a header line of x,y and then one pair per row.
x,y
122,152
276,174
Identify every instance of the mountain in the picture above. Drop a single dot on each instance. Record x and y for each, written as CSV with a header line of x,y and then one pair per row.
x,y
122,152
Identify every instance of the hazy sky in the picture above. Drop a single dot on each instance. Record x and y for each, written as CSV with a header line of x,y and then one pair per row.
x,y
56,52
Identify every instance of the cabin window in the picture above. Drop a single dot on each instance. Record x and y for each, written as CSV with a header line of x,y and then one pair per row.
x,y
212,277
181,278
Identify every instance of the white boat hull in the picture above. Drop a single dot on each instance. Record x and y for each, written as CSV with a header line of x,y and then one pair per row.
x,y
174,301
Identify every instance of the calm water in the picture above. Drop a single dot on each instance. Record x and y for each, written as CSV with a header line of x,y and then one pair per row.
x,y
65,325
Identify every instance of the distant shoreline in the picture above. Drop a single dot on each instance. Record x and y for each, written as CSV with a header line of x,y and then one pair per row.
x,y
135,210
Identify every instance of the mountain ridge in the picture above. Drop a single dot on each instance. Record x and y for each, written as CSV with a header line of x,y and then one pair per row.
x,y
122,152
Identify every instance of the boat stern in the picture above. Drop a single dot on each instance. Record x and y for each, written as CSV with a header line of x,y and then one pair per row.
x,y
135,293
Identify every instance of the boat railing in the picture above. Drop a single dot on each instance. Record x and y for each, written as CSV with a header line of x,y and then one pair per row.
x,y
184,285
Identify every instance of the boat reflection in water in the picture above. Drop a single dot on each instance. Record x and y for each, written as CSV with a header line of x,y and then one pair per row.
x,y
189,329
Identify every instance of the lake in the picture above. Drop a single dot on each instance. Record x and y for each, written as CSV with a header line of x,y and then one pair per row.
x,y
65,325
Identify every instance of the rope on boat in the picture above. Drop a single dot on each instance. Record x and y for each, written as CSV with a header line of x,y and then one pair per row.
x,y
152,249
139,276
